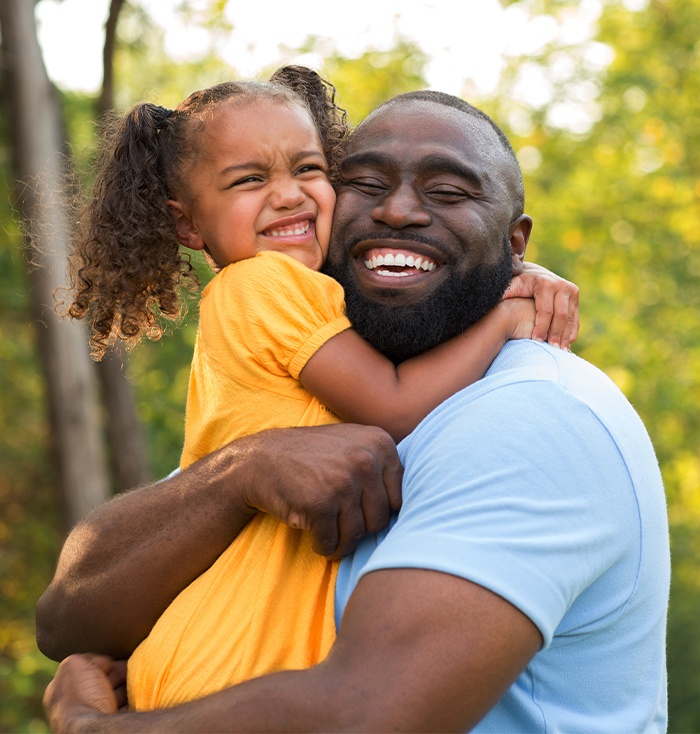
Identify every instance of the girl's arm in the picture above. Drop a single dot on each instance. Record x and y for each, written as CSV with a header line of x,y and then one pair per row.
x,y
360,385
556,300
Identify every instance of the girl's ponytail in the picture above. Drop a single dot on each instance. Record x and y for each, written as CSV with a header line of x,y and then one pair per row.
x,y
126,266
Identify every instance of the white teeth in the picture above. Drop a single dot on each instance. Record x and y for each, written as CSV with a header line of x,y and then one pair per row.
x,y
400,260
289,231
393,274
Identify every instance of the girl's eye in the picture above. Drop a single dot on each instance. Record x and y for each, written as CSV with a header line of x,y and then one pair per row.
x,y
247,179
309,168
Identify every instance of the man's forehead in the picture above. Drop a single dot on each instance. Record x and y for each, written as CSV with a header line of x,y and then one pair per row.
x,y
424,124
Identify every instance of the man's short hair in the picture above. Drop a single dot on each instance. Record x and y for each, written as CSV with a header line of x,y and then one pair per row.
x,y
449,100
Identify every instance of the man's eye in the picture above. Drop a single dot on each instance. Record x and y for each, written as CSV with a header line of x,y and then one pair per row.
x,y
447,193
371,186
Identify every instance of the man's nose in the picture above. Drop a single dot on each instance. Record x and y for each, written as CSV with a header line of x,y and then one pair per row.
x,y
286,194
402,207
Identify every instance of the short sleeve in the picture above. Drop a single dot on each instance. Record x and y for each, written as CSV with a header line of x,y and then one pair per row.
x,y
274,309
533,503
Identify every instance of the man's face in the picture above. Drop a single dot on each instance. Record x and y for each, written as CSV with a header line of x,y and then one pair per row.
x,y
421,231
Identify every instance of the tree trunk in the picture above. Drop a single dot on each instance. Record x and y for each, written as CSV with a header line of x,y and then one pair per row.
x,y
106,100
37,134
128,457
127,445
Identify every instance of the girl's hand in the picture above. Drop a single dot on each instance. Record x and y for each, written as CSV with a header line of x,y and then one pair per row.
x,y
556,302
519,315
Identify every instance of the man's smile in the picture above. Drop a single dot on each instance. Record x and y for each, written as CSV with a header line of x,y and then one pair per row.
x,y
395,263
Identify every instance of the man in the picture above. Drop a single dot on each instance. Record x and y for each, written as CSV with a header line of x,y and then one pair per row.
x,y
524,585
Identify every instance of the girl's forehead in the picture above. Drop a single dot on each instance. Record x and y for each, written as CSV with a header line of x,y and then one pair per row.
x,y
249,125
263,109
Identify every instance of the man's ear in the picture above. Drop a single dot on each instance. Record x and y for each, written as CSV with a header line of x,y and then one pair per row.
x,y
519,233
187,234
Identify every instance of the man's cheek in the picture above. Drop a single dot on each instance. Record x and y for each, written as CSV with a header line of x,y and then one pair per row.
x,y
337,259
348,205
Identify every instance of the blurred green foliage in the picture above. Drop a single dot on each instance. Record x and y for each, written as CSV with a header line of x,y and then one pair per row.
x,y
616,209
615,194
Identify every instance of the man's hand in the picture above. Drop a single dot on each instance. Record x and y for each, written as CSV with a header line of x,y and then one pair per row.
x,y
556,301
84,685
339,482
418,650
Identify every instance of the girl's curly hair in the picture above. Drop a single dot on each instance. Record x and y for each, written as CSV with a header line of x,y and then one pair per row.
x,y
126,267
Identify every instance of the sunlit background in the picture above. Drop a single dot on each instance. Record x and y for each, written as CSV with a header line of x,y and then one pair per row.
x,y
601,100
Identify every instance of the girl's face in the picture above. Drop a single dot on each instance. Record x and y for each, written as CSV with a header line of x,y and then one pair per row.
x,y
259,185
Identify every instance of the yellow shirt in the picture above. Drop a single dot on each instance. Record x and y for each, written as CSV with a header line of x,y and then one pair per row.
x,y
267,603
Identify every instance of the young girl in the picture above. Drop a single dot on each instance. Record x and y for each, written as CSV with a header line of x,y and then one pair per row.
x,y
241,170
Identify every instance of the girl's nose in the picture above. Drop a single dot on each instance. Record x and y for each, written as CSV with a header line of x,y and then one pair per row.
x,y
287,194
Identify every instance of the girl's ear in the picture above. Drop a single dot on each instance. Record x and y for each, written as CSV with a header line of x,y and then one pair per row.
x,y
519,232
187,234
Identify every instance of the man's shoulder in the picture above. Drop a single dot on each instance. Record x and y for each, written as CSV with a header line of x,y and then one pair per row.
x,y
522,375
532,395
524,361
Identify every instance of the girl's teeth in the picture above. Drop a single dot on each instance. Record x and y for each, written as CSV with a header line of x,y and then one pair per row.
x,y
288,231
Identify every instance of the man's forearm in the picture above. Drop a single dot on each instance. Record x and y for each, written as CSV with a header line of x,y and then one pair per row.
x,y
123,564
281,702
417,651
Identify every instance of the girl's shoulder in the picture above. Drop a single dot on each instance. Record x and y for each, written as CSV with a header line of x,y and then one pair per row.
x,y
271,275
272,282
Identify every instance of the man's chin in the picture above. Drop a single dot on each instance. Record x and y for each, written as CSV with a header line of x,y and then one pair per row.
x,y
402,321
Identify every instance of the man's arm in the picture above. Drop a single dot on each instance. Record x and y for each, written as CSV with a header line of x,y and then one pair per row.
x,y
417,651
122,566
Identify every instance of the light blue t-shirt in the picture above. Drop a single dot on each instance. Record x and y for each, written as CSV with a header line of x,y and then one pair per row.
x,y
540,483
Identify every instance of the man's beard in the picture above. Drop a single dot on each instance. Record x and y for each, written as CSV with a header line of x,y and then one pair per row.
x,y
401,332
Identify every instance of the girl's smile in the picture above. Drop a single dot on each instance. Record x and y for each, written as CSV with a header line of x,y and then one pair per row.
x,y
293,229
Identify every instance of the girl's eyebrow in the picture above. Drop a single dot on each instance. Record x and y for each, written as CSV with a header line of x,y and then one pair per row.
x,y
260,165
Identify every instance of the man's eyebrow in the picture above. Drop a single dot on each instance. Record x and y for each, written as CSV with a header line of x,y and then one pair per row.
x,y
448,164
368,158
430,164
